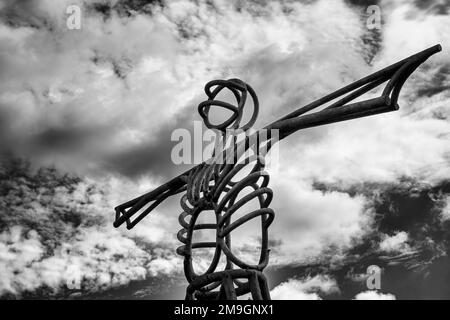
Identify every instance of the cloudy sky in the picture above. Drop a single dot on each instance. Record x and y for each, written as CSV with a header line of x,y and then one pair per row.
x,y
86,117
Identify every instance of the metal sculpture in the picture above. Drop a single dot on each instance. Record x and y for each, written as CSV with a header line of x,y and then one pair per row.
x,y
209,185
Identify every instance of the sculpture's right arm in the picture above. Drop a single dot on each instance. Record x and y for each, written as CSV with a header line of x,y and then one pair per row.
x,y
138,205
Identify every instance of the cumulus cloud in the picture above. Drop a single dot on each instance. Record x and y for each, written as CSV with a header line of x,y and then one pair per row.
x,y
94,260
110,91
58,236
310,221
374,295
397,242
305,289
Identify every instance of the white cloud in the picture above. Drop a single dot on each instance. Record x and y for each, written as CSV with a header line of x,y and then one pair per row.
x,y
403,17
15,254
374,295
95,259
309,221
306,289
395,243
60,236
102,116
165,263
446,210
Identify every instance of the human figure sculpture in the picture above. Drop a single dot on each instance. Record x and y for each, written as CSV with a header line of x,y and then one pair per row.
x,y
211,186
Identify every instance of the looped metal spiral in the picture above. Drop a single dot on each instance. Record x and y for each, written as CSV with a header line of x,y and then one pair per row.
x,y
210,187
225,199
239,90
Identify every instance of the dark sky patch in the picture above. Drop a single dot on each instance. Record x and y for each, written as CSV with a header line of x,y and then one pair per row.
x,y
153,157
363,3
124,8
24,13
60,139
437,7
156,288
103,8
404,206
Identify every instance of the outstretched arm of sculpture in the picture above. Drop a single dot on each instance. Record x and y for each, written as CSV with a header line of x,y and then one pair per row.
x,y
342,110
397,74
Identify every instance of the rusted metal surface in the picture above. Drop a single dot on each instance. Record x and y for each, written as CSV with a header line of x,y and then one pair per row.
x,y
210,186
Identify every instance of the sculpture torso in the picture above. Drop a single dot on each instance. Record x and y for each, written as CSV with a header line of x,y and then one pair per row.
x,y
212,187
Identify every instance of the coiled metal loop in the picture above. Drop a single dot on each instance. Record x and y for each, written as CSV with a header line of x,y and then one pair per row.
x,y
210,187
239,90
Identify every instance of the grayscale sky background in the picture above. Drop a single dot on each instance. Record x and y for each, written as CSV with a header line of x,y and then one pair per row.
x,y
85,123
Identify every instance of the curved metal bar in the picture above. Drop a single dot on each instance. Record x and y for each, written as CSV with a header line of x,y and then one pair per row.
x,y
239,89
